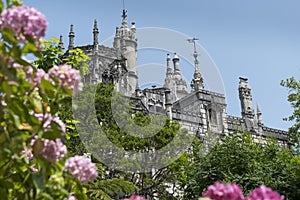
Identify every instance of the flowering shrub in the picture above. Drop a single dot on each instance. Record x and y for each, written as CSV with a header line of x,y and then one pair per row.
x,y
67,77
32,154
24,21
264,192
136,197
81,168
47,119
220,191
227,191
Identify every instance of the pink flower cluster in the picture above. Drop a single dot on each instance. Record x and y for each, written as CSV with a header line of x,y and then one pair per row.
x,y
53,151
47,119
227,191
81,168
28,153
71,197
264,193
24,21
136,197
220,191
67,77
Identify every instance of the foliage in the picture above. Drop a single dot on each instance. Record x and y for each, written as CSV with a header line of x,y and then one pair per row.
x,y
110,188
32,156
160,183
294,98
238,159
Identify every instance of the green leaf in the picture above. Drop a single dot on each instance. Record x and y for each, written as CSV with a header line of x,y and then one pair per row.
x,y
29,48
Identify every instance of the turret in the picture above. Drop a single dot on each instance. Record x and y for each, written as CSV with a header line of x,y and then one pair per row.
x,y
181,87
126,44
169,74
71,37
61,44
95,34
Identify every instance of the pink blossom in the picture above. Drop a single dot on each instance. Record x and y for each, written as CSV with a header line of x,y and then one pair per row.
x,y
40,73
35,77
68,77
264,193
28,153
223,191
53,151
71,197
136,197
3,103
23,21
81,168
47,118
34,170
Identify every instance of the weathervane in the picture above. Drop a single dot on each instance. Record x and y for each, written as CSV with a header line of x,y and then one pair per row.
x,y
124,11
193,40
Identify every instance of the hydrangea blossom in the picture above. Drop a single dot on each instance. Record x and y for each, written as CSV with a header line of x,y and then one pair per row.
x,y
53,151
136,197
223,191
24,20
81,168
67,77
47,118
40,73
264,193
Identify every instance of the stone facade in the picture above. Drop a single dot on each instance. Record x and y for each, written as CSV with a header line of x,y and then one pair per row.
x,y
199,111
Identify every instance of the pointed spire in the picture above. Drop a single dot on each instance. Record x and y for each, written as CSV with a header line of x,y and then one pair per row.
x,y
197,82
169,67
170,83
124,15
95,33
71,37
258,110
61,44
259,115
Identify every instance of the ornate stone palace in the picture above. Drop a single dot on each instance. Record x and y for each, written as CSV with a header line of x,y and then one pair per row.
x,y
198,111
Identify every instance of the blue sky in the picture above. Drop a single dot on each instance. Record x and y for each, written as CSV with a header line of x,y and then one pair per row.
x,y
256,39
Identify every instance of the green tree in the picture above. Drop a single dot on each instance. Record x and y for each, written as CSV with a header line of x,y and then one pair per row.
x,y
161,183
293,87
238,159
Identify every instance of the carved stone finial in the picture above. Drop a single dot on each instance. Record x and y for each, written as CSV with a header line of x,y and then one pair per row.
x,y
96,33
197,82
259,115
61,44
71,37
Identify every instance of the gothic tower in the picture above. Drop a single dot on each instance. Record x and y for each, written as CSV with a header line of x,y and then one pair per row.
x,y
247,105
71,37
126,44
